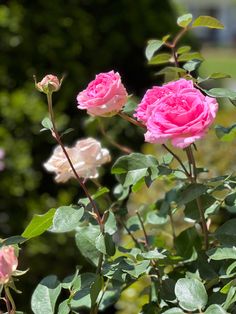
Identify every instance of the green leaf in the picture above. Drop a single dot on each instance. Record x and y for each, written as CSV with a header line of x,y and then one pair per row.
x,y
81,290
105,244
101,191
67,131
168,70
160,58
85,240
226,134
231,298
39,224
130,106
45,295
13,240
183,49
47,123
66,219
190,193
153,254
190,56
69,280
132,168
215,309
192,65
191,294
95,289
223,254
213,76
137,269
156,218
221,93
186,242
226,233
174,310
207,21
184,20
152,46
110,226
64,308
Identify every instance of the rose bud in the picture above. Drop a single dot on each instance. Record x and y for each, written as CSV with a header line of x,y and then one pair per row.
x,y
49,84
8,263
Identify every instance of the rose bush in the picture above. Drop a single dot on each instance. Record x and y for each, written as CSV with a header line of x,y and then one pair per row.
x,y
104,96
176,111
182,263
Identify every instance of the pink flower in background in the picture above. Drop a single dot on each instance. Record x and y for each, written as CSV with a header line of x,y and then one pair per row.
x,y
177,111
104,96
2,155
86,156
8,263
49,84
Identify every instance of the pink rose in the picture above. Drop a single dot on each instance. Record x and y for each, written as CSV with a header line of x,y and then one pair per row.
x,y
105,96
86,156
49,84
176,111
8,263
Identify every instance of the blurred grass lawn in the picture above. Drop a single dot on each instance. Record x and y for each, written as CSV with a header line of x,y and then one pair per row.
x,y
219,60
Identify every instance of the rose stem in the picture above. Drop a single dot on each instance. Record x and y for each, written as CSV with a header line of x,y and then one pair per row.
x,y
130,234
58,139
133,121
9,298
82,184
153,262
124,149
143,228
193,179
172,224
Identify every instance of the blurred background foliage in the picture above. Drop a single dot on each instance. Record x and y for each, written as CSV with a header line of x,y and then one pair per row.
x,y
78,38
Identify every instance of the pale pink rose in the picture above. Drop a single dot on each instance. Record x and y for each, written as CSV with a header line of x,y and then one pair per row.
x,y
180,113
86,156
104,96
49,84
8,263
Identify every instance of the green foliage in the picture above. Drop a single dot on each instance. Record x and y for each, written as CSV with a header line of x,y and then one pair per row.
x,y
66,218
207,21
39,224
191,294
45,295
184,20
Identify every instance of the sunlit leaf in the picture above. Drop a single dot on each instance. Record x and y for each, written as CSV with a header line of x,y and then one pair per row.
x,y
45,295
184,20
207,21
191,294
39,224
152,46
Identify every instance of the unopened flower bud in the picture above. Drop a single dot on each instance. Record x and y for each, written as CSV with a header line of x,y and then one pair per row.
x,y
8,263
49,84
